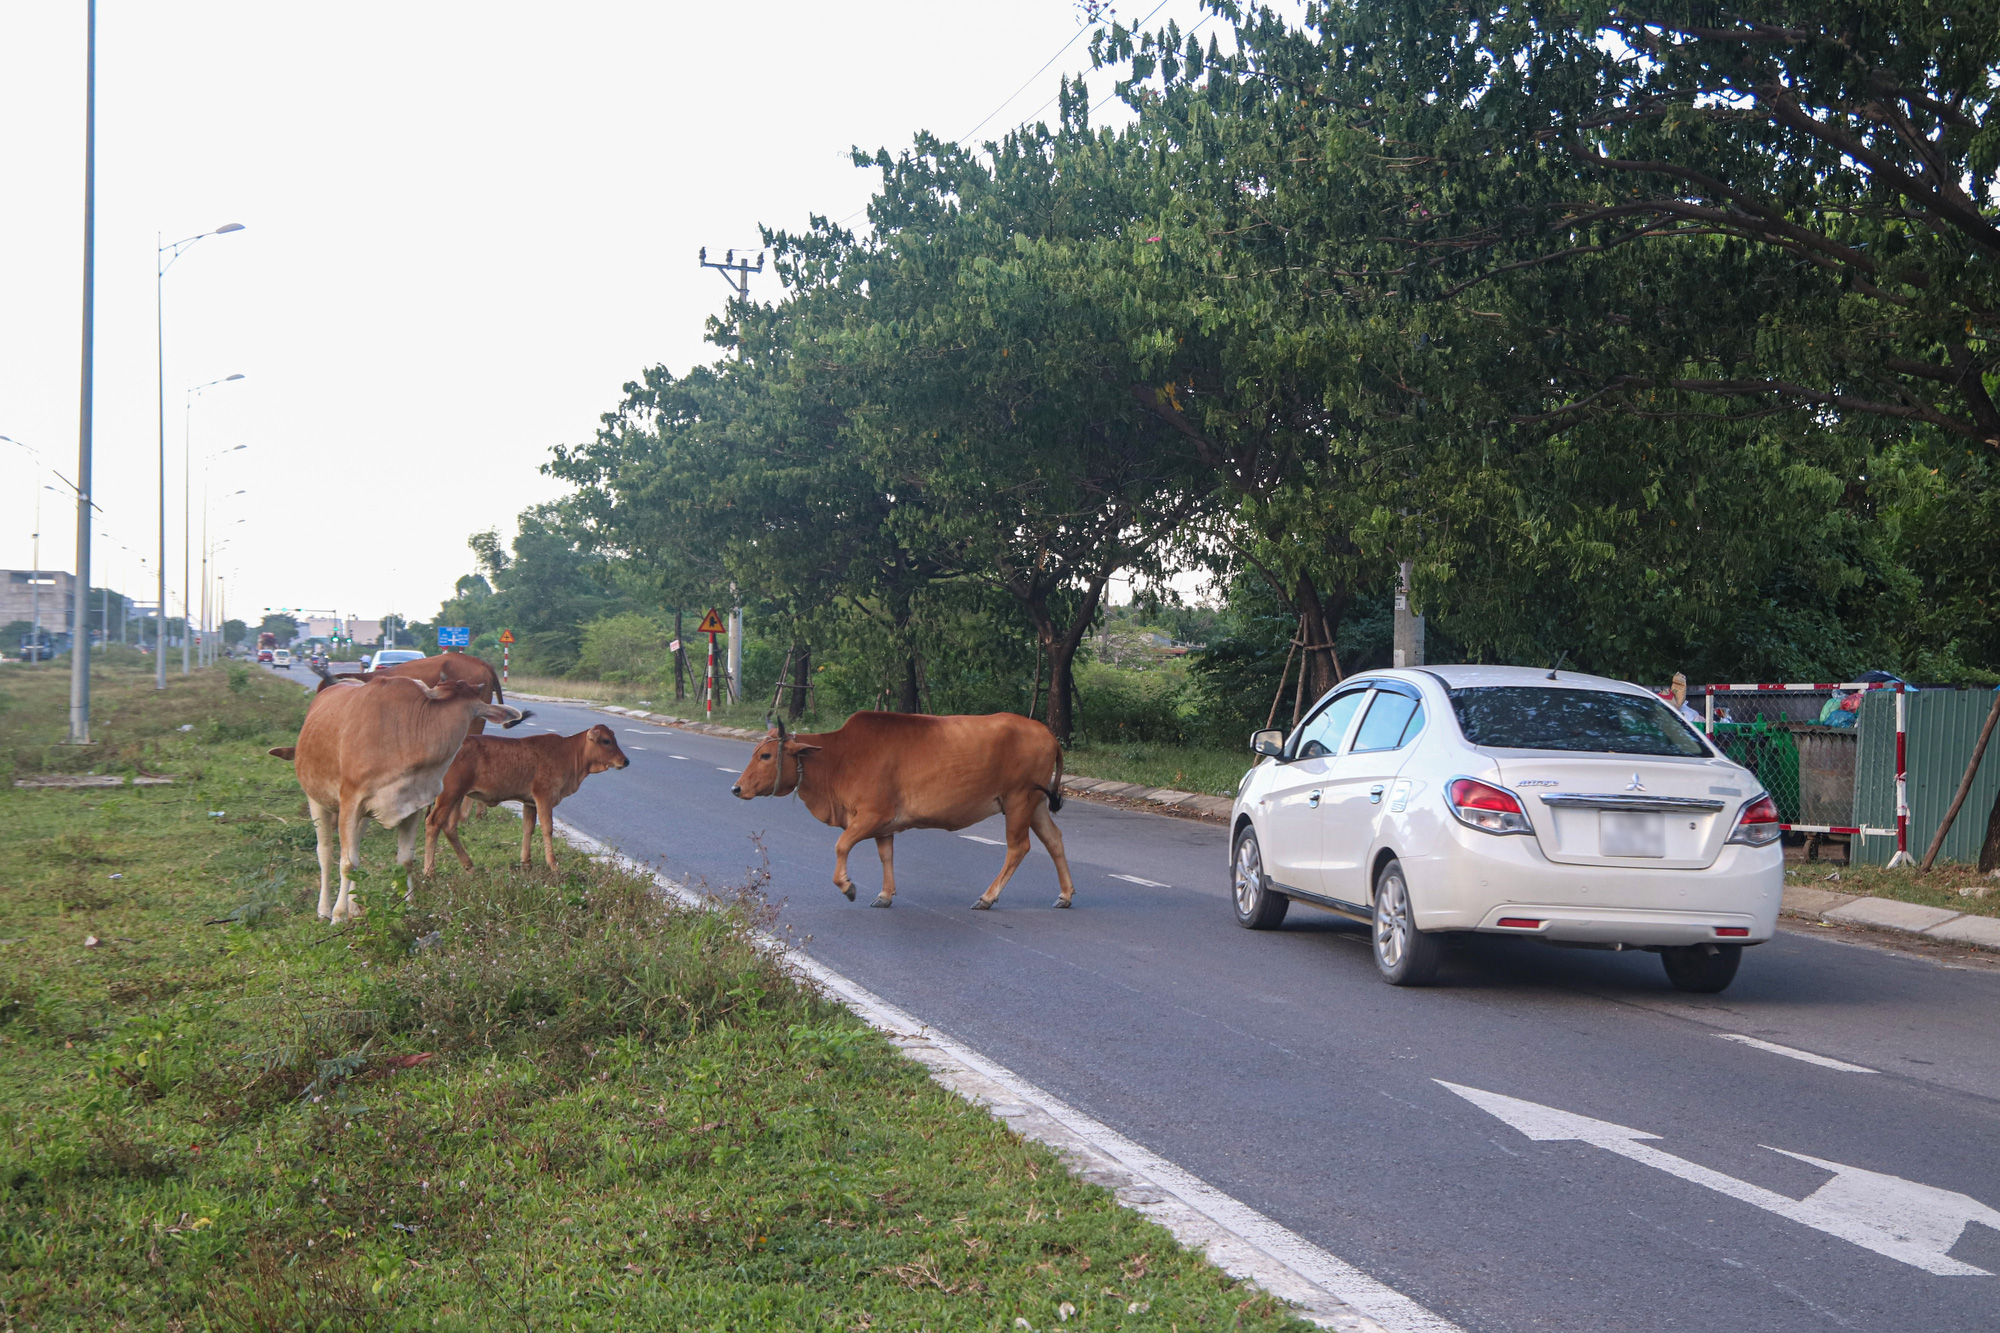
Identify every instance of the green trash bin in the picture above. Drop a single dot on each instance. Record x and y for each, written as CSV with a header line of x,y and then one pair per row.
x,y
1768,750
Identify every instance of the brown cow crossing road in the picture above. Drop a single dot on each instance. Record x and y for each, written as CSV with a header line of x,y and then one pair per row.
x,y
883,773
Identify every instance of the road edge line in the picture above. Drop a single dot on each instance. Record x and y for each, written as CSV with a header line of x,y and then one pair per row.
x,y
1325,1289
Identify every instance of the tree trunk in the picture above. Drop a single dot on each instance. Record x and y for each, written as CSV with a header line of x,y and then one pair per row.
x,y
680,659
1062,689
801,677
1319,621
1989,851
907,700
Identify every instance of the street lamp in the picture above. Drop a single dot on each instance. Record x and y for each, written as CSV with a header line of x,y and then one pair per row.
x,y
209,622
187,494
163,259
35,579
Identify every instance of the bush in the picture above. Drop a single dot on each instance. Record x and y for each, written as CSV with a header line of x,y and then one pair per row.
x,y
626,649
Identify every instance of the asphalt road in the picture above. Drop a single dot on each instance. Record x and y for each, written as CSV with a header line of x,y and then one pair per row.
x,y
1279,1068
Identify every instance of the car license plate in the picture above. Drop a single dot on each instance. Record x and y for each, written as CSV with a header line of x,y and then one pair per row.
x,y
1631,833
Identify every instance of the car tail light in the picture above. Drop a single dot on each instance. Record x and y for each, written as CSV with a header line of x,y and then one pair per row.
x,y
1486,807
1519,923
1734,931
1758,825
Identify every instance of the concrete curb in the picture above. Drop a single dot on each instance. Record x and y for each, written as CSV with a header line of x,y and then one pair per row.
x,y
1856,909
1323,1289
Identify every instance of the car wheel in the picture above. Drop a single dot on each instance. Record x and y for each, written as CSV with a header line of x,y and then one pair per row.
x,y
1406,956
1257,908
1703,969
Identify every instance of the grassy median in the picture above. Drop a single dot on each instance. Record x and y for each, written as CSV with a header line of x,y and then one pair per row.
x,y
536,1100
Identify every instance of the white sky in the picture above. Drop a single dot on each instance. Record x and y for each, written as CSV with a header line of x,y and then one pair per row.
x,y
467,226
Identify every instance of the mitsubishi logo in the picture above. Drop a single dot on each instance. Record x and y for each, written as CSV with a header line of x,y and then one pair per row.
x,y
1635,784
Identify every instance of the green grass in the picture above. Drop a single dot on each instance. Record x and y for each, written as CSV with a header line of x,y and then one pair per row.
x,y
536,1100
1205,769
1944,885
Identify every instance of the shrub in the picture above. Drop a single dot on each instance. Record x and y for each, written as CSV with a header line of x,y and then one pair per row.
x,y
625,649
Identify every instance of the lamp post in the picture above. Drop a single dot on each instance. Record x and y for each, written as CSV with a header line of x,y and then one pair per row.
x,y
163,259
210,622
187,515
35,579
207,621
75,605
79,651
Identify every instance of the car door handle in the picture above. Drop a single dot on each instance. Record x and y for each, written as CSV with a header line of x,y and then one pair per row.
x,y
1375,794
1312,798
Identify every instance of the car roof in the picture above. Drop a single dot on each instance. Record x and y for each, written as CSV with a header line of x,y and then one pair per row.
x,y
1478,676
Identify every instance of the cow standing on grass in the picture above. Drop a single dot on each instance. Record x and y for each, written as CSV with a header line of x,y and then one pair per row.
x,y
379,749
537,771
882,773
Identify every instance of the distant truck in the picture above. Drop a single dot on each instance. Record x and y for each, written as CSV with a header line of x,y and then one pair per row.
x,y
266,640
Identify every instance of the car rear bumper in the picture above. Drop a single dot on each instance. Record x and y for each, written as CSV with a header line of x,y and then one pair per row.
x,y
1475,879
1610,925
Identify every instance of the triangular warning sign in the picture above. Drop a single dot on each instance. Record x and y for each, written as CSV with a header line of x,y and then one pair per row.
x,y
506,636
711,623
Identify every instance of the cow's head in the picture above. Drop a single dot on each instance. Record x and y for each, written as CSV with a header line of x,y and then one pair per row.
x,y
600,750
461,691
775,767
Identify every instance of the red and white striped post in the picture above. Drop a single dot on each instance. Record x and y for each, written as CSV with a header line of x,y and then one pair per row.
x,y
711,678
1902,829
1902,856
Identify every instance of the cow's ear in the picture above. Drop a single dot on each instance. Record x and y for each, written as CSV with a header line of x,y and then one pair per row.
x,y
798,749
284,752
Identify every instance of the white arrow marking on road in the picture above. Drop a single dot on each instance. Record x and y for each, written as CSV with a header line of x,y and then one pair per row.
x,y
1911,1223
1144,883
1824,1061
990,842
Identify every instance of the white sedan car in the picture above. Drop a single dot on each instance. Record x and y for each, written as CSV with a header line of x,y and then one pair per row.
x,y
1510,801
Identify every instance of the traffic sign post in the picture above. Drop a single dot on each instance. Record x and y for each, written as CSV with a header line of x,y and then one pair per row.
x,y
506,646
711,625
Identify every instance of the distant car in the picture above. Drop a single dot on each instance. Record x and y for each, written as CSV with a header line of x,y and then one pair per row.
x,y
316,660
391,656
1509,801
281,657
264,654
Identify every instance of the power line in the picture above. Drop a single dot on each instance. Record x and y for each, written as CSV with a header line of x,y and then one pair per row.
x,y
1024,85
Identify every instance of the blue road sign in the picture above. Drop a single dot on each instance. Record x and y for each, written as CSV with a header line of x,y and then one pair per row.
x,y
454,636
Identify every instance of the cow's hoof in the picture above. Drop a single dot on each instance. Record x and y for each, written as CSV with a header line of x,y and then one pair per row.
x,y
849,891
981,905
1060,902
883,900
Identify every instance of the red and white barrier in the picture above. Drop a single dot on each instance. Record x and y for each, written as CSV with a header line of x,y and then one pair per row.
x,y
1902,829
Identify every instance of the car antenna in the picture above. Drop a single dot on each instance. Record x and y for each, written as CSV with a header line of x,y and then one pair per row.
x,y
1559,661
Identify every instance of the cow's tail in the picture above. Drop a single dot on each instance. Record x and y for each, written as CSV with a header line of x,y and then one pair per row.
x,y
500,697
1055,787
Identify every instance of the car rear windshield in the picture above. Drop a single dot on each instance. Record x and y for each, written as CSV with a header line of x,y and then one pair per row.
x,y
1513,717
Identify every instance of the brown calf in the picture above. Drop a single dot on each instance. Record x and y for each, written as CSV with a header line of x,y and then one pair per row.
x,y
538,771
882,773
381,750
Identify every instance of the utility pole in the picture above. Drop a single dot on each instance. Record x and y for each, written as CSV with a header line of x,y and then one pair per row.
x,y
1409,629
741,270
79,649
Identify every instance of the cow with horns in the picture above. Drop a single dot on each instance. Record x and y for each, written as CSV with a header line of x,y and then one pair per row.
x,y
882,773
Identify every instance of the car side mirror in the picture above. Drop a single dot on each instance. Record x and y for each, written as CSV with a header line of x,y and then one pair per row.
x,y
1269,743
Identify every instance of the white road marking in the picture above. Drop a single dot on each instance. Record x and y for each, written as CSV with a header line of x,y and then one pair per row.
x,y
990,842
1825,1061
1143,883
676,756
635,747
1235,1237
1901,1219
